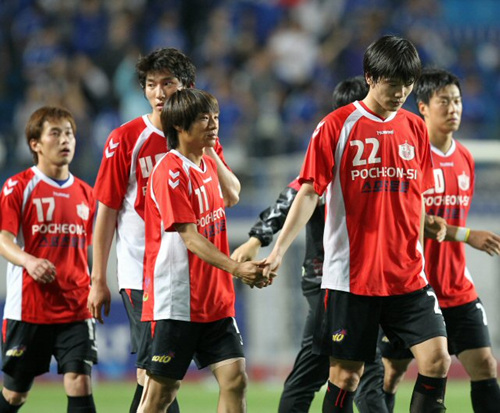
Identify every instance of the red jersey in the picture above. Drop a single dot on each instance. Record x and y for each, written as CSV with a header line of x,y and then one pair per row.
x,y
129,156
53,222
178,284
451,197
374,171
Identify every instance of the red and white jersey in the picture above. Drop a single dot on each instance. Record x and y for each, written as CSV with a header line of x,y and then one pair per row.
x,y
178,284
129,156
445,262
53,222
374,172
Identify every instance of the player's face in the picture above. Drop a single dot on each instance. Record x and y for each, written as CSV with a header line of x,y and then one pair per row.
x,y
56,146
203,131
388,95
444,111
158,88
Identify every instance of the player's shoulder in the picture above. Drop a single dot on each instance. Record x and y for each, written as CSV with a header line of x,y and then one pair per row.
x,y
21,179
81,183
129,131
463,149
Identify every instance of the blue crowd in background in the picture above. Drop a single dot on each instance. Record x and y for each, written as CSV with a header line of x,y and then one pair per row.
x,y
271,64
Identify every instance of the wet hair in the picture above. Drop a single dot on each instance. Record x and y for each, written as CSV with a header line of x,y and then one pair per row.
x,y
161,60
181,110
34,127
349,90
392,57
432,80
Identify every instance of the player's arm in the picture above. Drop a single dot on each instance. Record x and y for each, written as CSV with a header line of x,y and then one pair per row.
x,y
229,184
301,211
104,232
486,241
270,221
249,272
42,270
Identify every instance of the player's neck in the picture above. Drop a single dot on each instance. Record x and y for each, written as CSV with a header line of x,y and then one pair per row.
x,y
441,141
193,154
54,171
376,108
155,119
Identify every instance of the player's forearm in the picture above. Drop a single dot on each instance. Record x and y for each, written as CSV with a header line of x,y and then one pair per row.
x,y
11,251
204,249
301,211
104,232
229,183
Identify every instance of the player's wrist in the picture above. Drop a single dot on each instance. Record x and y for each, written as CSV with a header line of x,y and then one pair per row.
x,y
462,234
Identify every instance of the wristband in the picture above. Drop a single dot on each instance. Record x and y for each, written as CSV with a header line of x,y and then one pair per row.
x,y
462,234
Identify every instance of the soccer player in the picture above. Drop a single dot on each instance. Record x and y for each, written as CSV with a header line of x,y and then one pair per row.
x,y
188,286
439,98
45,231
129,156
372,158
310,371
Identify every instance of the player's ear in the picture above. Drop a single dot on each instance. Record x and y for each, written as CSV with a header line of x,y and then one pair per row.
x,y
34,144
422,108
178,128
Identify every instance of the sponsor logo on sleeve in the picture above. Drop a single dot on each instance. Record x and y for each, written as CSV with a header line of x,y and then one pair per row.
x,y
9,187
173,181
111,148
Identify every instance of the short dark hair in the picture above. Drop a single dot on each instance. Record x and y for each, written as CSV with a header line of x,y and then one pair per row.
x,y
181,109
34,127
349,90
432,80
164,59
392,57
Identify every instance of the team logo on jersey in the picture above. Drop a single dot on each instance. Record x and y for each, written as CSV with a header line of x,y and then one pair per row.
x,y
9,187
339,335
172,181
16,351
83,211
110,149
406,151
463,181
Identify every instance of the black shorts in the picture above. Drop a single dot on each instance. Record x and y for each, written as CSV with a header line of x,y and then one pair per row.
x,y
467,327
132,299
348,324
176,343
27,349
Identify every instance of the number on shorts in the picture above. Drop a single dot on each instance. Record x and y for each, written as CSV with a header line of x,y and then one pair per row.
x,y
437,309
483,311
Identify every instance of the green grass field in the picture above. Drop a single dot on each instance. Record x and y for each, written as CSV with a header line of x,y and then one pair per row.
x,y
114,397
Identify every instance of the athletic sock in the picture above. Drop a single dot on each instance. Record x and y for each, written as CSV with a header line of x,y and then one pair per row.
x,y
137,398
174,407
485,396
428,395
390,401
337,400
81,404
6,407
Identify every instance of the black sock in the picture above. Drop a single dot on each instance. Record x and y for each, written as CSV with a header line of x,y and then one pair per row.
x,y
174,407
6,407
485,395
337,400
81,404
428,395
390,401
137,398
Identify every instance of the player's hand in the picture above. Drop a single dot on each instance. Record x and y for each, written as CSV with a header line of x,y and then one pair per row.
x,y
247,251
271,265
435,228
99,297
41,270
486,241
